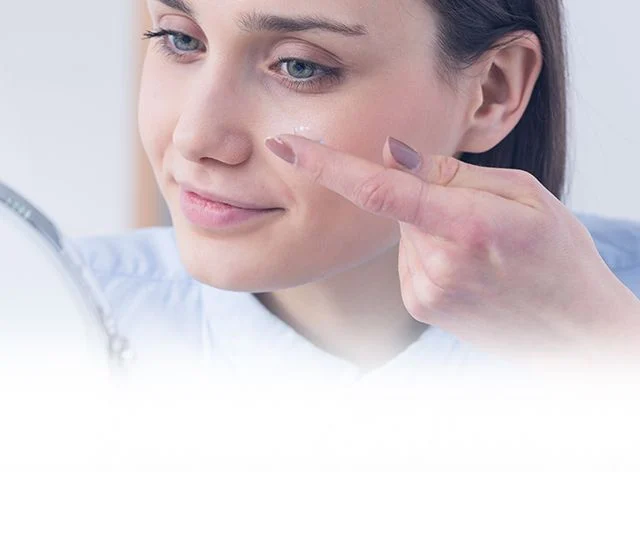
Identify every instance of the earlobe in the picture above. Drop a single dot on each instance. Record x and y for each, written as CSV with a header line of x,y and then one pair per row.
x,y
502,91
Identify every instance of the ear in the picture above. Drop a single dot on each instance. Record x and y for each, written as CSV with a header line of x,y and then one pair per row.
x,y
502,90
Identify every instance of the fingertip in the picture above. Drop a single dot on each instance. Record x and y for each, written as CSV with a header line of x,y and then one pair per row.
x,y
404,155
281,148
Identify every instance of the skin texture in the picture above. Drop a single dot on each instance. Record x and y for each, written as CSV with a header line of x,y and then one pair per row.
x,y
333,268
473,243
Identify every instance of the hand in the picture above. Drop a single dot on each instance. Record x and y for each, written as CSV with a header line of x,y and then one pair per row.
x,y
489,255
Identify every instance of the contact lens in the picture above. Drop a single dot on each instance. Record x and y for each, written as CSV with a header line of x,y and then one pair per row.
x,y
308,133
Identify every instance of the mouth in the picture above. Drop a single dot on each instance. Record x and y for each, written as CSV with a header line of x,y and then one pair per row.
x,y
215,214
219,199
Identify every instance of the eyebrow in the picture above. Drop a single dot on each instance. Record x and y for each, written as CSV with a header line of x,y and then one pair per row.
x,y
256,21
180,5
264,22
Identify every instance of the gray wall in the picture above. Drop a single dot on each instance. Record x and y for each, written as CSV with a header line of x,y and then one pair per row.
x,y
66,112
605,94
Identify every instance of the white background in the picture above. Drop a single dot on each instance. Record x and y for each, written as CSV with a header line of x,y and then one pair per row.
x,y
67,109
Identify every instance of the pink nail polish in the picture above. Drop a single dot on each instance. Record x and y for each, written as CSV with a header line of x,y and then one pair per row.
x,y
405,155
281,149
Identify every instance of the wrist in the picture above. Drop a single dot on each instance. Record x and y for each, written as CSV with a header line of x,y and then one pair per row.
x,y
612,337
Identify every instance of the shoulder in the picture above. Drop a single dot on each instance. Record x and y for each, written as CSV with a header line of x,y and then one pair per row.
x,y
142,278
618,242
148,254
140,263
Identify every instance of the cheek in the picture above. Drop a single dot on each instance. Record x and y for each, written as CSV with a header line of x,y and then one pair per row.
x,y
421,111
359,125
338,232
155,117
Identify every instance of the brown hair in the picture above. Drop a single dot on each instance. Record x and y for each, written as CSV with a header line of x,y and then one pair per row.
x,y
468,29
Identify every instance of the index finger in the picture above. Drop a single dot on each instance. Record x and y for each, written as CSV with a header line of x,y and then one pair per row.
x,y
387,192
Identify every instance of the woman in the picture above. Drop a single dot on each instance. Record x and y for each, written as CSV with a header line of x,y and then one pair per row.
x,y
428,225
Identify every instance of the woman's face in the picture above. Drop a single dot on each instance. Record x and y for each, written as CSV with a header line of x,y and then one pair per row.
x,y
210,99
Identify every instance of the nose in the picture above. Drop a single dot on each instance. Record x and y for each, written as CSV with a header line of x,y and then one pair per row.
x,y
210,124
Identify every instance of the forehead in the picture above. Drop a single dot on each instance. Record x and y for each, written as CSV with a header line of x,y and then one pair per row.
x,y
371,18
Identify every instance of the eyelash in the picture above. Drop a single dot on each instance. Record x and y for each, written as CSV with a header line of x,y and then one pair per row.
x,y
331,75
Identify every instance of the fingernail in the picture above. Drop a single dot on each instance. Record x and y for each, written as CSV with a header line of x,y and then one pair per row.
x,y
404,154
281,149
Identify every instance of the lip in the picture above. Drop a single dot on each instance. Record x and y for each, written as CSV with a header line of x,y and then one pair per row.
x,y
215,198
214,214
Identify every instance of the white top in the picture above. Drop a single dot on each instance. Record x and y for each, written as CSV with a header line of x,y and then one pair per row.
x,y
178,324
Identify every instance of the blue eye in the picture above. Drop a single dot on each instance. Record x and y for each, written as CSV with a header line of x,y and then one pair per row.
x,y
174,44
298,68
300,73
303,78
185,43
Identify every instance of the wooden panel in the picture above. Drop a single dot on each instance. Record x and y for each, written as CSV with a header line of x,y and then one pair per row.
x,y
149,205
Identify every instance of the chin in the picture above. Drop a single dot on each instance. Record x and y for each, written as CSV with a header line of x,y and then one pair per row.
x,y
225,264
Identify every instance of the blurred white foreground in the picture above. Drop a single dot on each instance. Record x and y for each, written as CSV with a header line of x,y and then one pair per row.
x,y
483,457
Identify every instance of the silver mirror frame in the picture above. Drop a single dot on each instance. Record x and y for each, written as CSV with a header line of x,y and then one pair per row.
x,y
118,348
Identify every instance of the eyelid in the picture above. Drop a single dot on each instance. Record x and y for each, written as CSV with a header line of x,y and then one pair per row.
x,y
162,34
182,25
329,75
300,56
328,78
280,59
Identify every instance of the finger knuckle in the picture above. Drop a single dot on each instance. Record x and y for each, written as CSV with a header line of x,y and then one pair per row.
x,y
375,195
443,269
447,170
476,235
415,305
428,297
474,232
316,170
525,179
530,188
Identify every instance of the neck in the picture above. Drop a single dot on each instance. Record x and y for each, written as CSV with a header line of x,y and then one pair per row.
x,y
357,315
